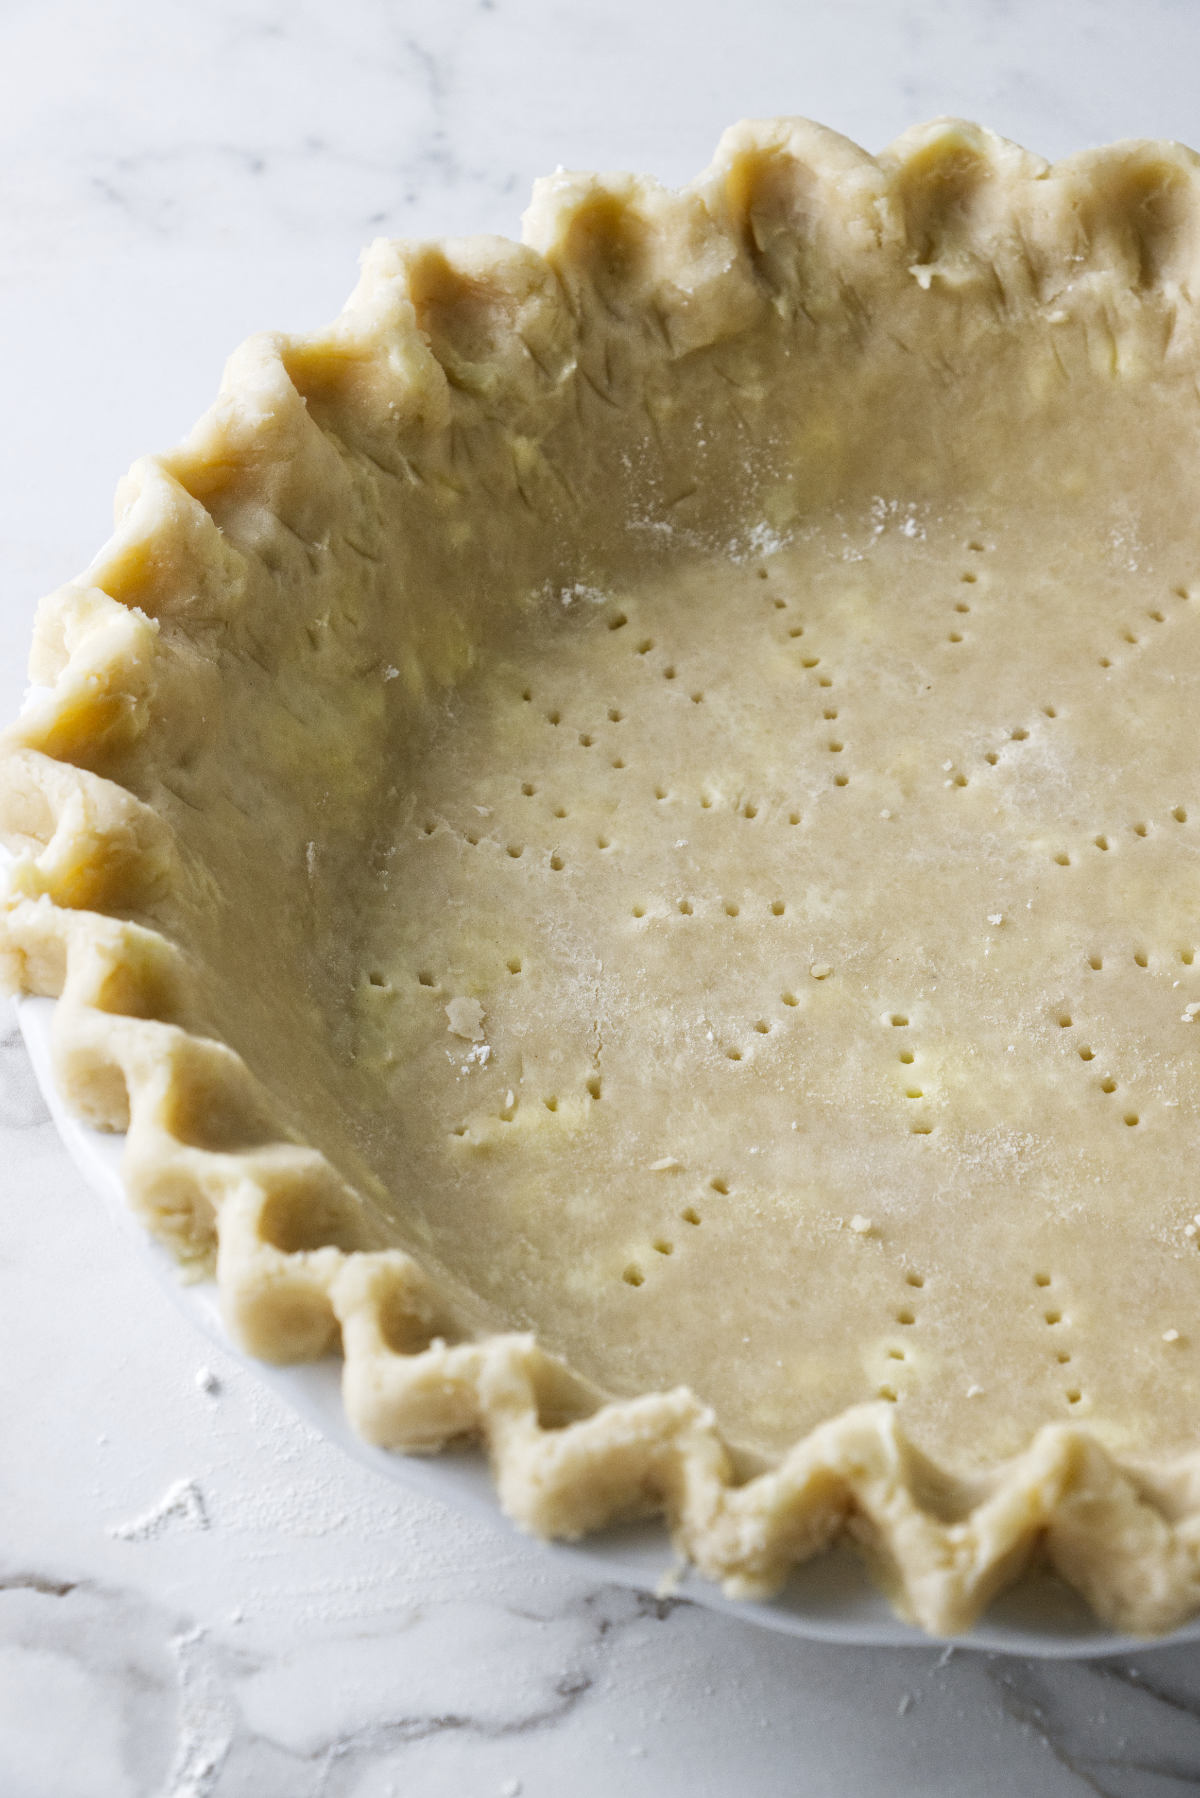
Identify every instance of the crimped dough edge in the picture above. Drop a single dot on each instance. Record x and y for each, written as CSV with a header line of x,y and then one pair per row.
x,y
212,1164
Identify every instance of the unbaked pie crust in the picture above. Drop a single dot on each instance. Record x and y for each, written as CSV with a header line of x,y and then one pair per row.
x,y
621,831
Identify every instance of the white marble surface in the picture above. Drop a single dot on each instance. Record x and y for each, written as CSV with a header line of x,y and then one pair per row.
x,y
199,1598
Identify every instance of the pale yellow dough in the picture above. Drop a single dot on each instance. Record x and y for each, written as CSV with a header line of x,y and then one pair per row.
x,y
622,831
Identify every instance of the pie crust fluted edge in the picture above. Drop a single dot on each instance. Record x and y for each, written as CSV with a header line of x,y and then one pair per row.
x,y
949,207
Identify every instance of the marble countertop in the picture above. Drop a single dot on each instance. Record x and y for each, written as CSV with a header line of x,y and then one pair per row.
x,y
199,1598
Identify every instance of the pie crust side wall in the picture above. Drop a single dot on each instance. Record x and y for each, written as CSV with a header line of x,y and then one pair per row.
x,y
211,1162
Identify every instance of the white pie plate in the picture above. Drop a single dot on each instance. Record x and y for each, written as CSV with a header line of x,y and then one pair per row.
x,y
830,1600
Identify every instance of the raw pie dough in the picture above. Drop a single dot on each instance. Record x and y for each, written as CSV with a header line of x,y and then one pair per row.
x,y
640,792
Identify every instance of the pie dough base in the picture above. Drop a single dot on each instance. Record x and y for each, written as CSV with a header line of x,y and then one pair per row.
x,y
786,1072
615,469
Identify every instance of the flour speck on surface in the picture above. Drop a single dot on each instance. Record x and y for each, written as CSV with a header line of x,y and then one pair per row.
x,y
180,1507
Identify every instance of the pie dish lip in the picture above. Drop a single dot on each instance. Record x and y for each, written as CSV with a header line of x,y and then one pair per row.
x,y
830,1598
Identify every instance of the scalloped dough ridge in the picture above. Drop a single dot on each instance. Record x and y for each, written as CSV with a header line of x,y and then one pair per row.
x,y
560,378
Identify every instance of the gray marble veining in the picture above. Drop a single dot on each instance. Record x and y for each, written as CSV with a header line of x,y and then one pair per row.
x,y
199,1598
